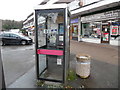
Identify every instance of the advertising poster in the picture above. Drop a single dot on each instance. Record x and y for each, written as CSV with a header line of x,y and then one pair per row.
x,y
105,36
114,30
61,29
119,30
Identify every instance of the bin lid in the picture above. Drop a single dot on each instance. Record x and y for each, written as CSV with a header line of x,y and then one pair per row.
x,y
83,57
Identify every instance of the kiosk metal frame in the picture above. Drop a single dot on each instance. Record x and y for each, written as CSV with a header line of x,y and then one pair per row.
x,y
47,50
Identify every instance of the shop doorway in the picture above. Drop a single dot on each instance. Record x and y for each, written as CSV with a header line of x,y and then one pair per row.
x,y
105,33
75,32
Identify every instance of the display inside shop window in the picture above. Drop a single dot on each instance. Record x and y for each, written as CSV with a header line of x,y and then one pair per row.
x,y
114,30
105,35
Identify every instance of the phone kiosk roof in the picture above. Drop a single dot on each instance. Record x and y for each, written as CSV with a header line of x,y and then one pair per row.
x,y
51,6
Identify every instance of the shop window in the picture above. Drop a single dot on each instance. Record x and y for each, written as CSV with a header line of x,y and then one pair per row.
x,y
75,30
91,30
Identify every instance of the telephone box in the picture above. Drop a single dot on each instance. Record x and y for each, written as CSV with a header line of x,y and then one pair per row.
x,y
52,43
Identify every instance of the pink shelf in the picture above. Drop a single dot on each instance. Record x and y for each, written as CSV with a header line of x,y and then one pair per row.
x,y
50,52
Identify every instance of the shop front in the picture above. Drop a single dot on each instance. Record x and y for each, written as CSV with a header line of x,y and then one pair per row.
x,y
74,29
104,26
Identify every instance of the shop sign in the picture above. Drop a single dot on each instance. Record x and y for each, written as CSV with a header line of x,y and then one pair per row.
x,y
101,16
74,20
114,30
116,23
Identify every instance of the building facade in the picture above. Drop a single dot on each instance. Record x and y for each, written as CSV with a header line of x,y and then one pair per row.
x,y
100,20
28,24
97,19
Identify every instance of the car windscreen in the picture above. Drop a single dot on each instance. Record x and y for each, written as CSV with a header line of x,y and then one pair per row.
x,y
14,35
5,34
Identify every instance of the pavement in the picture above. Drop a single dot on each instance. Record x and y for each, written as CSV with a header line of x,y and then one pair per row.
x,y
96,40
28,80
17,60
104,67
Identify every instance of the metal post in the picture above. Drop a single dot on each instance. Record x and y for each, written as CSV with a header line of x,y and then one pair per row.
x,y
2,79
0,24
79,29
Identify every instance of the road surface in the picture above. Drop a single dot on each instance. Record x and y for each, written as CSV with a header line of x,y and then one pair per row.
x,y
17,60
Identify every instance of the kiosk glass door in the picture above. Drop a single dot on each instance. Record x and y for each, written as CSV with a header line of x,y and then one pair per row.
x,y
50,44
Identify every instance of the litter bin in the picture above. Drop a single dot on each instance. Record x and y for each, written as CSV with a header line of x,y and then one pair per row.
x,y
83,65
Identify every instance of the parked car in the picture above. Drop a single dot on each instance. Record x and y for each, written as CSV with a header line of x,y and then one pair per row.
x,y
14,38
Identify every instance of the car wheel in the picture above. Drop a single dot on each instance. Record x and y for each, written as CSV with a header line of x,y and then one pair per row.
x,y
23,42
2,43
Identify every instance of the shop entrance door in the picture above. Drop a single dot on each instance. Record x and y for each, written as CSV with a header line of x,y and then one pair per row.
x,y
105,33
75,32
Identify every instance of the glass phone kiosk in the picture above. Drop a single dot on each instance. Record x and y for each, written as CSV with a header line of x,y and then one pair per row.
x,y
52,42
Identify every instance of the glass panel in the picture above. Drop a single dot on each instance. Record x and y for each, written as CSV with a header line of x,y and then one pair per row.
x,y
50,37
42,63
41,31
41,42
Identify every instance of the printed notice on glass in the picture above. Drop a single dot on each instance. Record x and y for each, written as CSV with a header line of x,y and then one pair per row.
x,y
60,38
59,61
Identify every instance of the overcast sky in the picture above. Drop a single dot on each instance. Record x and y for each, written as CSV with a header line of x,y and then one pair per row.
x,y
17,9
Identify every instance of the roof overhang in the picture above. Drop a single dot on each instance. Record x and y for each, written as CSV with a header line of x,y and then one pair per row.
x,y
63,1
55,2
95,8
51,6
